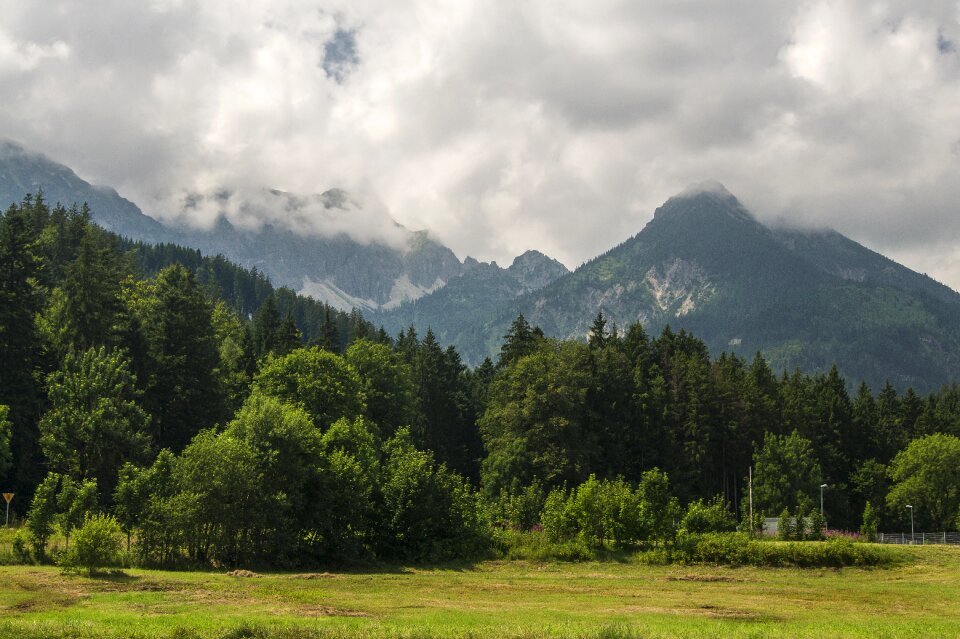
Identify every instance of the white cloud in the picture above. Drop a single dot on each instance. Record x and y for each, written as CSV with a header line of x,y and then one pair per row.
x,y
502,126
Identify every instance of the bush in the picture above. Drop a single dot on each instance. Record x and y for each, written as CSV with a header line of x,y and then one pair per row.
x,y
870,523
21,547
538,546
707,517
738,549
785,526
96,545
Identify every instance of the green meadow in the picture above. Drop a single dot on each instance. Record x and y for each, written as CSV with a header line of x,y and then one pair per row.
x,y
919,596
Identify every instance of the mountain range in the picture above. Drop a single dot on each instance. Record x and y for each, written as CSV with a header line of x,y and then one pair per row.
x,y
331,267
806,299
704,263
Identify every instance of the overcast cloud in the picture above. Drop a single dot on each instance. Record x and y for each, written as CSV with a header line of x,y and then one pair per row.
x,y
503,125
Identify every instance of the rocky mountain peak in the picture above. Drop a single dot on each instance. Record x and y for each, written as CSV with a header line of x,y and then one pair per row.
x,y
703,201
535,270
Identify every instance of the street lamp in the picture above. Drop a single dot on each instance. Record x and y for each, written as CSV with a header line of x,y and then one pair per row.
x,y
911,522
822,486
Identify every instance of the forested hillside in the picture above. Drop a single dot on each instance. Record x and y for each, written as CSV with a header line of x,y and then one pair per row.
x,y
807,299
223,422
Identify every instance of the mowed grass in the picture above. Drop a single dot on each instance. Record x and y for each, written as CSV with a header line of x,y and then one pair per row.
x,y
919,597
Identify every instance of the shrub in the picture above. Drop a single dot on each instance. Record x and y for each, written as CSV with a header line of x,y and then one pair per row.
x,y
706,517
538,546
96,545
785,526
738,549
871,522
20,547
817,526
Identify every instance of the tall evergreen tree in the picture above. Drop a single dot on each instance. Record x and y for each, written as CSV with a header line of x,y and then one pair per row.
x,y
266,325
519,341
184,393
288,336
91,292
19,341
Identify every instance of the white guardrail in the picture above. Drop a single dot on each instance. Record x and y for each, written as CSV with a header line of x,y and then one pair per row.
x,y
919,538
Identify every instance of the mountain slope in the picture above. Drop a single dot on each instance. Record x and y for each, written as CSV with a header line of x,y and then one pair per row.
x,y
23,172
452,310
704,263
330,266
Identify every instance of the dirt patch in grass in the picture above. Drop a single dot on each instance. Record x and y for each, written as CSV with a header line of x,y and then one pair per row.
x,y
328,611
703,578
316,575
243,573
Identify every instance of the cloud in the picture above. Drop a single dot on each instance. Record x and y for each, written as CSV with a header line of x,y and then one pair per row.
x,y
503,126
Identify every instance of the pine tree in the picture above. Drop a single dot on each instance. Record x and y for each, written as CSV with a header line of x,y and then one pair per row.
x,y
598,332
184,394
91,292
288,336
266,324
20,301
519,341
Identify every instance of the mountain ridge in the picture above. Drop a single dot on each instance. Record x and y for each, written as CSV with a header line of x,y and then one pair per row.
x,y
704,263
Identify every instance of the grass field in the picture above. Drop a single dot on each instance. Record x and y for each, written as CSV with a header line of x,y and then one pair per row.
x,y
920,597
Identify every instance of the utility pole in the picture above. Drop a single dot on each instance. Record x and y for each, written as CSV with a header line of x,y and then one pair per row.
x,y
911,522
750,484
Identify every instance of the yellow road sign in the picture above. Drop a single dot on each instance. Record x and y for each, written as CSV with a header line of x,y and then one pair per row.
x,y
8,497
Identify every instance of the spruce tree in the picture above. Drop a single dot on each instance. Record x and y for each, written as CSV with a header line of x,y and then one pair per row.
x,y
184,393
20,301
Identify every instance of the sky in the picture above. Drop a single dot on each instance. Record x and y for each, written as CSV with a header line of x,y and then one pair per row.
x,y
500,125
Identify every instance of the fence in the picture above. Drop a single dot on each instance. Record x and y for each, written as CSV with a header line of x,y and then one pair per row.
x,y
920,538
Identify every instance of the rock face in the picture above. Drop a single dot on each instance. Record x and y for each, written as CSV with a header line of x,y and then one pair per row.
x,y
337,269
456,312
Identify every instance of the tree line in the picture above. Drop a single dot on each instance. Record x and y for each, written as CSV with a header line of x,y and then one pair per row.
x,y
220,420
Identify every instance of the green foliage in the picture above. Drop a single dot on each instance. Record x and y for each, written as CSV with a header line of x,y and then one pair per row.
x,y
926,475
519,510
427,511
800,524
540,547
220,505
94,423
817,526
387,385
786,473
708,517
602,511
785,525
75,501
321,383
96,545
6,454
86,314
20,301
183,391
868,530
20,546
41,517
534,424
737,549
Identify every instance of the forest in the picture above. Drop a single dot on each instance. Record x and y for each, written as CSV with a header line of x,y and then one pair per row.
x,y
219,421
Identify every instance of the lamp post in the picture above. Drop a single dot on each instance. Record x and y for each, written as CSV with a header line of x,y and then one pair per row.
x,y
911,522
822,486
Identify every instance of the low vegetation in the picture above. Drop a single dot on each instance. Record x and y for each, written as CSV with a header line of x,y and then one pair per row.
x,y
918,595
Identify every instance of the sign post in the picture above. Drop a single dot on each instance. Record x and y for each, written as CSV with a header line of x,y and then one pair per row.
x,y
8,497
